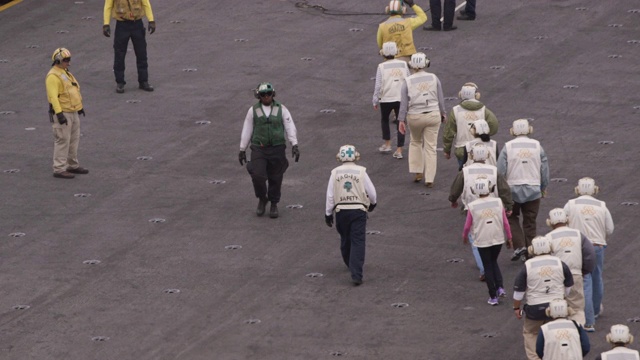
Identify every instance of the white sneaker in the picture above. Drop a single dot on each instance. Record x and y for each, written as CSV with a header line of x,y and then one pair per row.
x,y
397,155
384,149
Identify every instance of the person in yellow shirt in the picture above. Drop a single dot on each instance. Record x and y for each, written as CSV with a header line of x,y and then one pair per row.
x,y
399,29
65,102
129,25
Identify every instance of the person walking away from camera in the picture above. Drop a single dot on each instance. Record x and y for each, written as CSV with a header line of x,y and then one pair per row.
x,y
562,338
524,164
480,131
422,109
350,194
542,279
620,338
487,220
457,130
386,94
592,218
575,250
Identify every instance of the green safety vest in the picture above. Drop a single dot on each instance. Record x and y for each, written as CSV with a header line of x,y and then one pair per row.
x,y
268,131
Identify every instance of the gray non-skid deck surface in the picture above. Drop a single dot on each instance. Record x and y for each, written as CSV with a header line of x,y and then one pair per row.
x,y
538,47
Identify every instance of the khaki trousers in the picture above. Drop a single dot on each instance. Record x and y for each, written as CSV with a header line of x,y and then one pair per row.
x,y
66,138
530,332
575,300
424,130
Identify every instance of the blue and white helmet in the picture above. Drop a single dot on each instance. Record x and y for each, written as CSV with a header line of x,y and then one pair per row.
x,y
348,153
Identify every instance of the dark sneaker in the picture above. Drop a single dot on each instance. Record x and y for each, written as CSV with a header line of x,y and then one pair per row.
x,y
145,86
273,213
120,88
262,204
450,28
78,170
357,282
64,175
431,28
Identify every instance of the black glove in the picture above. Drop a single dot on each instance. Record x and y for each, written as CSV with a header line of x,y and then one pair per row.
x,y
61,119
295,153
242,157
106,30
409,2
81,112
152,27
328,219
371,207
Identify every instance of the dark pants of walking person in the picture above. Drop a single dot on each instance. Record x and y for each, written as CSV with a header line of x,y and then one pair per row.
x,y
470,9
492,273
351,225
522,235
135,31
436,13
267,167
385,112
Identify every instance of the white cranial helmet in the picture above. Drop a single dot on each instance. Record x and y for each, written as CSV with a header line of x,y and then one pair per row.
x,y
619,334
521,127
481,186
469,91
419,61
558,308
480,127
540,245
587,186
348,153
479,152
557,216
390,48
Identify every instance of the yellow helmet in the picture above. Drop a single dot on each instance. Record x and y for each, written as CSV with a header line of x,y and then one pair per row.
x,y
59,54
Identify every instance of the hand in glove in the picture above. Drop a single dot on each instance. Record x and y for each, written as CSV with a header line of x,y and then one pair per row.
x,y
409,2
371,207
328,219
81,112
61,119
106,30
152,27
242,157
295,153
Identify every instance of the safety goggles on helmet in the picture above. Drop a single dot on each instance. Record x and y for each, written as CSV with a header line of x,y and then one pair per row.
x,y
265,94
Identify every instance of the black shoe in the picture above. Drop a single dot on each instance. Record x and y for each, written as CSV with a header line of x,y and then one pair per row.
x,y
120,88
518,253
453,27
145,86
78,170
63,175
465,16
462,12
357,282
431,28
273,213
262,204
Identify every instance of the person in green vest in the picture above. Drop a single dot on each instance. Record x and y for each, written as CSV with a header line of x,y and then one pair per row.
x,y
267,127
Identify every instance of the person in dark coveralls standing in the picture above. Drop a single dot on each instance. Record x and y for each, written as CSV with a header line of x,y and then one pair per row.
x,y
351,194
267,127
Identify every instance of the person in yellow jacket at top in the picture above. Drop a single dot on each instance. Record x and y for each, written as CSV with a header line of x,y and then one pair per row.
x,y
65,102
129,25
399,29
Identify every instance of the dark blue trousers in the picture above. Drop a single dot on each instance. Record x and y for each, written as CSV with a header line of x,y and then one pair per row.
x,y
135,31
351,225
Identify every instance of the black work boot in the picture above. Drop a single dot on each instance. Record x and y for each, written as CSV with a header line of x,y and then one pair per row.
x,y
120,88
262,204
145,86
273,213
